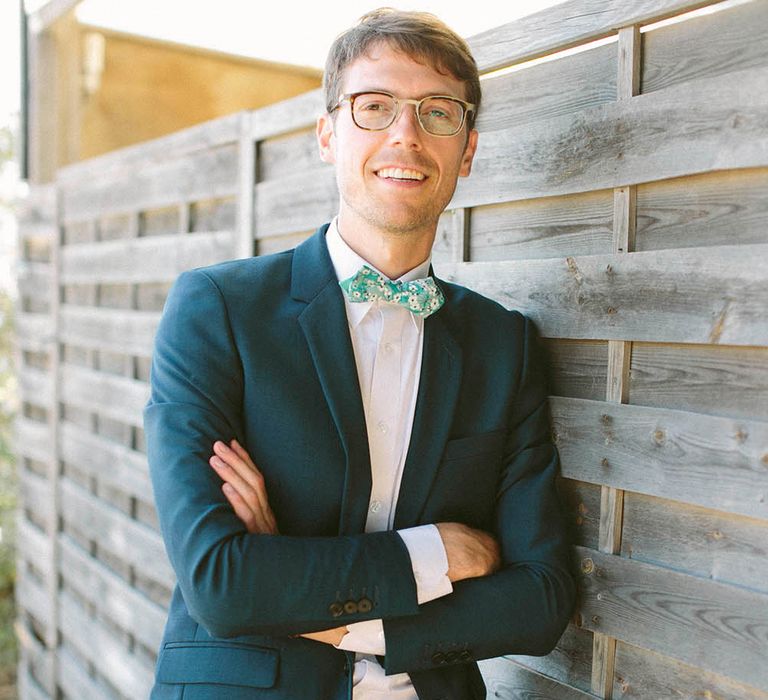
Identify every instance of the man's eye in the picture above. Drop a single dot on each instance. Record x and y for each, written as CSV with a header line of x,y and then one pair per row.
x,y
435,113
373,106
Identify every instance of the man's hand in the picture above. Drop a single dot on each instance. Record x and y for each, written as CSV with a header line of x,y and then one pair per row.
x,y
246,492
471,553
244,487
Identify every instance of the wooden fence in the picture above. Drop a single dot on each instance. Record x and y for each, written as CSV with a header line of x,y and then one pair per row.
x,y
619,197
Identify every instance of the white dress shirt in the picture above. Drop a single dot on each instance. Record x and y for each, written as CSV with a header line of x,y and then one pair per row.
x,y
387,342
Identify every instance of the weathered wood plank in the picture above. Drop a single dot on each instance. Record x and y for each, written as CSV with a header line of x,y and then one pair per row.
x,y
644,674
581,507
722,208
288,154
547,227
34,331
299,202
131,541
509,680
36,665
33,439
565,25
704,47
699,126
130,332
277,244
286,116
199,175
33,545
718,627
88,452
101,648
112,597
704,542
96,392
725,381
568,663
74,678
34,279
576,368
715,295
35,386
143,260
551,89
35,494
670,454
180,144
32,597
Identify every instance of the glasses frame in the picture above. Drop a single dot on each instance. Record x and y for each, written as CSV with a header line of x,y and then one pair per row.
x,y
399,102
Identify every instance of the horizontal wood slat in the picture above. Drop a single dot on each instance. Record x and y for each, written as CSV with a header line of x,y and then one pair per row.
x,y
714,295
696,127
130,332
141,260
33,439
136,544
96,392
35,386
711,625
34,331
203,174
101,648
180,144
111,463
111,596
565,25
665,453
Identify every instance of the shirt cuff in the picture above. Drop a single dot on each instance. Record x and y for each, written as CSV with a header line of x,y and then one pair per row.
x,y
365,637
429,562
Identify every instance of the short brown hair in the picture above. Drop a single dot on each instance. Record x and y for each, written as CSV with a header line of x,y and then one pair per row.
x,y
419,35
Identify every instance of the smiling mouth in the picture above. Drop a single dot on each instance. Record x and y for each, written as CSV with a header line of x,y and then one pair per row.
x,y
405,174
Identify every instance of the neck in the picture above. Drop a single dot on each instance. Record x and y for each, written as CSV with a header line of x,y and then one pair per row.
x,y
393,253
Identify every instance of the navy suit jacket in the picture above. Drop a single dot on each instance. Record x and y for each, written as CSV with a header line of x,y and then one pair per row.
x,y
259,349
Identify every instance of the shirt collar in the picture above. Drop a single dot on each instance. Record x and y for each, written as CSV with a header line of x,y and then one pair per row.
x,y
346,262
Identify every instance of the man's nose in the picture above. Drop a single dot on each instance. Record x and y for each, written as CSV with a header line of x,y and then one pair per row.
x,y
406,128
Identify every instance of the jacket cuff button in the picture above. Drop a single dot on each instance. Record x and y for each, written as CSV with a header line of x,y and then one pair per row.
x,y
364,605
336,609
350,607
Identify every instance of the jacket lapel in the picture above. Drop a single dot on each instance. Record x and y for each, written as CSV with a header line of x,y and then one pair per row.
x,y
441,370
325,328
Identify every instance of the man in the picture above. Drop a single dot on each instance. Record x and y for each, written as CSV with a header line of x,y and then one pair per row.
x,y
388,512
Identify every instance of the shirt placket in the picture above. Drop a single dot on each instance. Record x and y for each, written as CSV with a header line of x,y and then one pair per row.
x,y
383,417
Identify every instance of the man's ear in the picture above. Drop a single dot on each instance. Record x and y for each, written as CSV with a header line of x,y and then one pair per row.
x,y
469,154
326,140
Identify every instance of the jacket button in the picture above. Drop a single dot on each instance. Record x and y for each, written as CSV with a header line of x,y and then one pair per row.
x,y
465,655
438,657
350,607
336,609
364,605
451,657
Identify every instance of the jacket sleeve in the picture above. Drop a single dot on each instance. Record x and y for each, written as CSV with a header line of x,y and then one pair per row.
x,y
524,607
234,582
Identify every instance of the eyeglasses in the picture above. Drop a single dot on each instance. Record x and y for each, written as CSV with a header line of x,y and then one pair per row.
x,y
439,115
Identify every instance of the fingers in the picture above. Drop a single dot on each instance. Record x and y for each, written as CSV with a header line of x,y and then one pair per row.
x,y
244,487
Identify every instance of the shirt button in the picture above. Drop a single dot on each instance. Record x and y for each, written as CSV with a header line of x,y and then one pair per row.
x,y
383,427
387,347
375,506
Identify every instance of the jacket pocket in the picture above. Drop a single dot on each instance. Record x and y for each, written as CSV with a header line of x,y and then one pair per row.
x,y
218,663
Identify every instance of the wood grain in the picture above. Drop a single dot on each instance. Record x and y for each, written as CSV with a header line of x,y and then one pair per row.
x,y
713,295
143,260
565,25
695,127
670,454
704,542
719,627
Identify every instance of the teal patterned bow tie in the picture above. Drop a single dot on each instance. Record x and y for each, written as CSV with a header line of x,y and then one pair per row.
x,y
422,297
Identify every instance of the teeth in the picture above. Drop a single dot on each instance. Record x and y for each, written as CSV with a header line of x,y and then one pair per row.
x,y
401,174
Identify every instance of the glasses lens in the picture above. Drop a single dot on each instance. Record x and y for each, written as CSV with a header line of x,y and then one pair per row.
x,y
373,110
441,115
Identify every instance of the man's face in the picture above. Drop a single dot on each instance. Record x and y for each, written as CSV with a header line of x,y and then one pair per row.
x,y
399,180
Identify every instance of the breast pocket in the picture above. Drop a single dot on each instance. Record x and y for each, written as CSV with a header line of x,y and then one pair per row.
x,y
467,480
218,669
